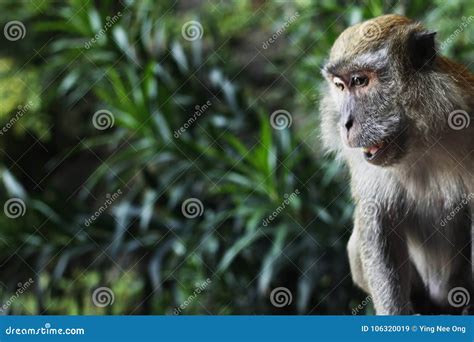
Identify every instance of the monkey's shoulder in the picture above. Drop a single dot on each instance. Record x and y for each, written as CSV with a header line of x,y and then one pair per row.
x,y
429,185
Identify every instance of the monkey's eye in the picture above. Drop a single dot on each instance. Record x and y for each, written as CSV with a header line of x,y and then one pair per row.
x,y
359,81
338,83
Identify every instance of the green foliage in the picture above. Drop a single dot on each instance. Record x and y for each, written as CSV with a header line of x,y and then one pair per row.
x,y
132,60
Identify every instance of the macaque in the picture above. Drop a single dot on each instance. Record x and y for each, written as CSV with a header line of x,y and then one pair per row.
x,y
400,115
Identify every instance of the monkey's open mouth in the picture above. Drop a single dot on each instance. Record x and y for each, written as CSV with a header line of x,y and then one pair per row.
x,y
373,151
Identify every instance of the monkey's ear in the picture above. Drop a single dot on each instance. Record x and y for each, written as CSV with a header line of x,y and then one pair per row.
x,y
422,49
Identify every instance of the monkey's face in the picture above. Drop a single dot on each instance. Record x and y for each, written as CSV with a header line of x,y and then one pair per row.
x,y
372,102
369,119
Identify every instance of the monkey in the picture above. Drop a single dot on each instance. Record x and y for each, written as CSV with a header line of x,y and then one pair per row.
x,y
399,115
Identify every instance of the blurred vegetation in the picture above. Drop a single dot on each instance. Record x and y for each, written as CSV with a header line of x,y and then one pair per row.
x,y
151,79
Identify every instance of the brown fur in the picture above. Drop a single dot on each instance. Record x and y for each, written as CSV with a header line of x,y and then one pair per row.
x,y
351,42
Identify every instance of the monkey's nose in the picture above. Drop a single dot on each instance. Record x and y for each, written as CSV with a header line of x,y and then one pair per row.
x,y
349,123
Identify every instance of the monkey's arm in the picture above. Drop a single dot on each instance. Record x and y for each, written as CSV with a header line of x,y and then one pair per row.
x,y
384,261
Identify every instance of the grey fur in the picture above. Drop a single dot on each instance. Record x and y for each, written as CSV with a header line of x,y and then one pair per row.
x,y
399,250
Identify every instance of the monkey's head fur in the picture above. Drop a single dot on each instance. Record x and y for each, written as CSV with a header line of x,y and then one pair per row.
x,y
385,80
